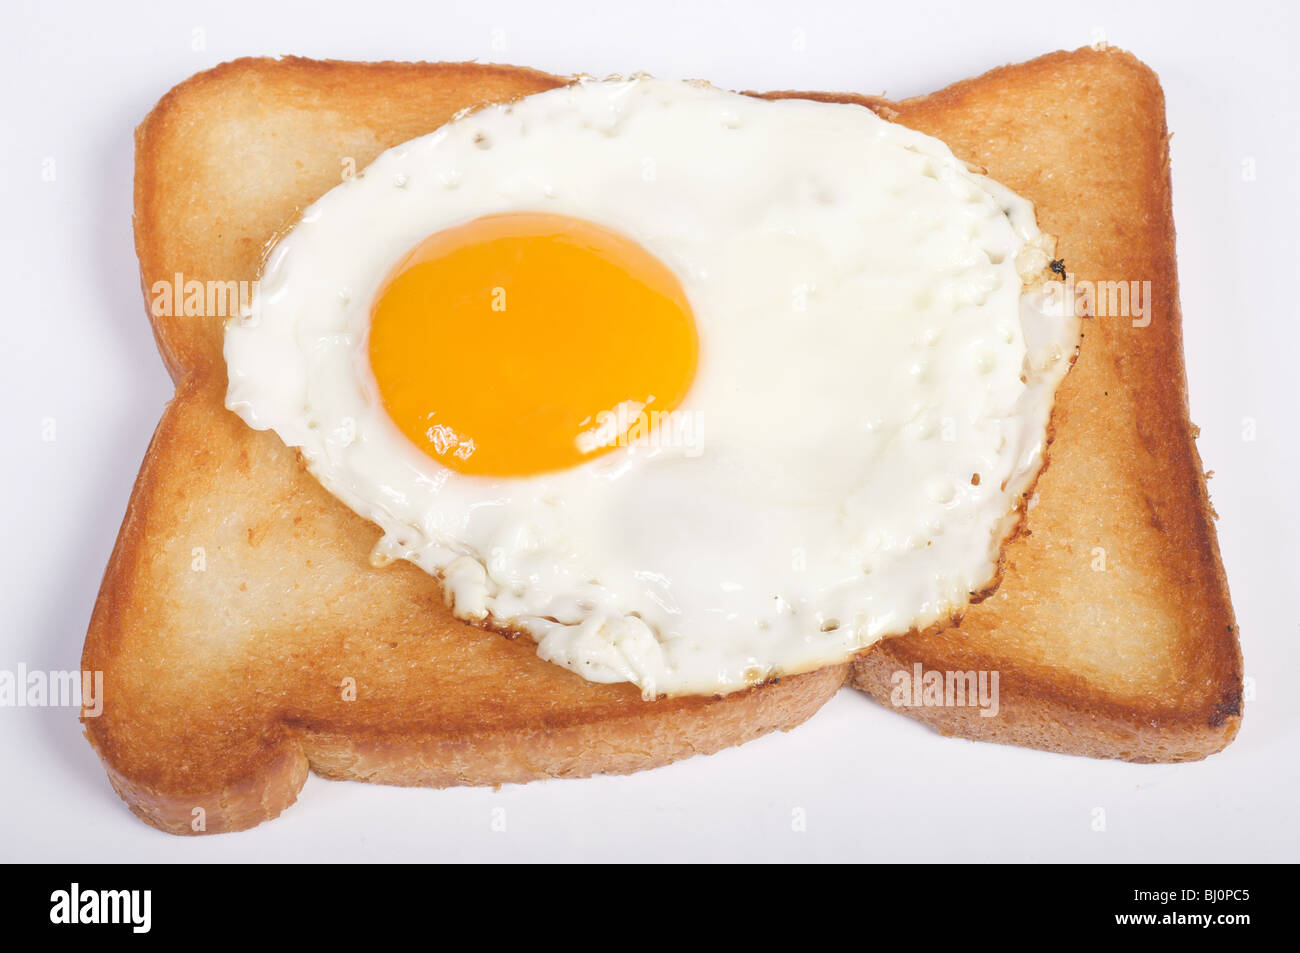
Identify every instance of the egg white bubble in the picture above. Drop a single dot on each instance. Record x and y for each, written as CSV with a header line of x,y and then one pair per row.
x,y
872,337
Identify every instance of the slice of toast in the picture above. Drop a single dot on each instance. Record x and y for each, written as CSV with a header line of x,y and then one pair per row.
x,y
244,636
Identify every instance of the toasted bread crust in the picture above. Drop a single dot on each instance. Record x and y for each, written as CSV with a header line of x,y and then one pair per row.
x,y
224,683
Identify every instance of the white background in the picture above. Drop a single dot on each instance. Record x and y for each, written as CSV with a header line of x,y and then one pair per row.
x,y
873,785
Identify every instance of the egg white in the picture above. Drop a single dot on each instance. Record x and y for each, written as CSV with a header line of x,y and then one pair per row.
x,y
869,343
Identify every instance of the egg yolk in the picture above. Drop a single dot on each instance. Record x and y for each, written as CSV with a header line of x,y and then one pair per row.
x,y
527,342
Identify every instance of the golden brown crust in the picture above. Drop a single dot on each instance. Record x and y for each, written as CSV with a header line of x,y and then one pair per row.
x,y
238,604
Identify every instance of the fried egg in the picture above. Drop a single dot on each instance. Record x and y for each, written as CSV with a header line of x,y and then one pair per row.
x,y
694,388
